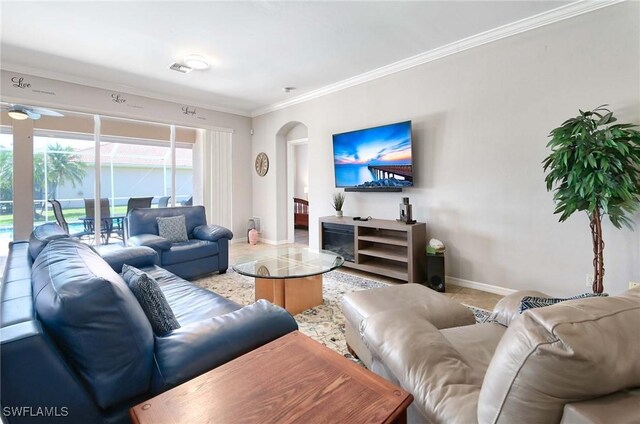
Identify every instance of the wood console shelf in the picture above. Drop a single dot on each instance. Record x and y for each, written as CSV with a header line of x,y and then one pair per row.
x,y
379,246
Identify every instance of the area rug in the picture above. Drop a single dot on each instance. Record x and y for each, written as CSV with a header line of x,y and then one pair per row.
x,y
324,323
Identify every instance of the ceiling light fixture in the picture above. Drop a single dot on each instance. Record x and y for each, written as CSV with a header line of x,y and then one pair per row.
x,y
18,114
195,61
175,66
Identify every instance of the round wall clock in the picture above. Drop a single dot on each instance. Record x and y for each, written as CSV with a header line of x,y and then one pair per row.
x,y
262,164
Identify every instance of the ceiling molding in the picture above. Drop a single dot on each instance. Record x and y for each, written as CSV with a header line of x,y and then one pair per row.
x,y
117,87
556,15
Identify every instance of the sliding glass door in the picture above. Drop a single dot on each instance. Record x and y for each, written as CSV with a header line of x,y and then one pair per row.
x,y
132,159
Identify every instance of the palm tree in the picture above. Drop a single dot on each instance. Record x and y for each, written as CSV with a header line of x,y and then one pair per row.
x,y
63,166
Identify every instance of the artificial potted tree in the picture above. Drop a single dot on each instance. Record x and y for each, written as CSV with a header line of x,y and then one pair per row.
x,y
594,166
337,202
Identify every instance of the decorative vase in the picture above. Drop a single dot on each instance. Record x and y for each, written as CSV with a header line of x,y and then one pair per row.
x,y
253,236
339,214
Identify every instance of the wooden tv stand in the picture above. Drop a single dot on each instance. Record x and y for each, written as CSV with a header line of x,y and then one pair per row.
x,y
382,246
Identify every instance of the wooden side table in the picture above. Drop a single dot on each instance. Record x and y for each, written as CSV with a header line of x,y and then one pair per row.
x,y
293,379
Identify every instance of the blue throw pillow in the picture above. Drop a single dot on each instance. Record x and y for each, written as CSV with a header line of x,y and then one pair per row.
x,y
155,306
530,302
173,228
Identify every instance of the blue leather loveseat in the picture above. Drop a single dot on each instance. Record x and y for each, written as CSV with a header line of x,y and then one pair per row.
x,y
207,249
76,347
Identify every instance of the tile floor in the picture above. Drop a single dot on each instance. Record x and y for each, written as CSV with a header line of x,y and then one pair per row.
x,y
477,298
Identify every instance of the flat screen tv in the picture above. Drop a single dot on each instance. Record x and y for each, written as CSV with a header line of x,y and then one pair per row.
x,y
374,158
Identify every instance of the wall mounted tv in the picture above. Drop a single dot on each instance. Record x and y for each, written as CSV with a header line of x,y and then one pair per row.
x,y
374,159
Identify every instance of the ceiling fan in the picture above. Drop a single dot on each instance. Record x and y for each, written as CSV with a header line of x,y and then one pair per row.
x,y
21,112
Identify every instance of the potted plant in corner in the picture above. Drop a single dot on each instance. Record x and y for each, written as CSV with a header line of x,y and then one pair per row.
x,y
337,202
594,166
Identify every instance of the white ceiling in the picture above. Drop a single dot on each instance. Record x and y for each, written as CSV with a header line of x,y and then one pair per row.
x,y
255,48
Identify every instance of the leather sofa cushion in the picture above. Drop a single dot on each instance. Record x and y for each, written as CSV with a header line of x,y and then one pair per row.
x,y
43,234
143,221
189,302
572,351
624,406
196,348
476,343
95,319
189,251
437,308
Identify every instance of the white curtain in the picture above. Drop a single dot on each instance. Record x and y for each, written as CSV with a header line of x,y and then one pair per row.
x,y
214,148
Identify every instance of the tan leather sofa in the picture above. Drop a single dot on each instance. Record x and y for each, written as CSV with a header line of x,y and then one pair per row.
x,y
574,362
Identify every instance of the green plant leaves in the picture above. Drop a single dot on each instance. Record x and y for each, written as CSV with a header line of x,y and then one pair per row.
x,y
594,166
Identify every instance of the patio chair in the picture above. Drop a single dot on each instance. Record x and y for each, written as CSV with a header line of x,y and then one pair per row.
x,y
163,202
57,212
188,202
107,227
135,203
139,202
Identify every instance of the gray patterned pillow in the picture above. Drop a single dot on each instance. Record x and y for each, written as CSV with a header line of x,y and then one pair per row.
x,y
530,302
151,299
173,228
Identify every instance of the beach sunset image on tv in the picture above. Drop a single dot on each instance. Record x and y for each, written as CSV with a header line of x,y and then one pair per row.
x,y
374,157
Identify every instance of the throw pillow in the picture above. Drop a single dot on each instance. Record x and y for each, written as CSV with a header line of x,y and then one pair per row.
x,y
530,302
155,306
173,228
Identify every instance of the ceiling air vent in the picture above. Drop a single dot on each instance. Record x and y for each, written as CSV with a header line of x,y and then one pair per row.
x,y
175,66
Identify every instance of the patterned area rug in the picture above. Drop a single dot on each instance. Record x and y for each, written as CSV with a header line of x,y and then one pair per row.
x,y
324,323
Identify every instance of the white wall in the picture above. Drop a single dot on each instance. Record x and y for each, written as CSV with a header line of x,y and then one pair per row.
x,y
480,124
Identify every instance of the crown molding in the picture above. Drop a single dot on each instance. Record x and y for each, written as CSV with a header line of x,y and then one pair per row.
x,y
117,87
546,18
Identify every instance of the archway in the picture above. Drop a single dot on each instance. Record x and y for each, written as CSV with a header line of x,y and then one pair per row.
x,y
292,177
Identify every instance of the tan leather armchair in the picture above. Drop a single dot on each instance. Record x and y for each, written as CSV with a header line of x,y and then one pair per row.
x,y
574,362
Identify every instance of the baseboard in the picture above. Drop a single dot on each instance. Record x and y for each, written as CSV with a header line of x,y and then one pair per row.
x,y
478,286
274,242
265,241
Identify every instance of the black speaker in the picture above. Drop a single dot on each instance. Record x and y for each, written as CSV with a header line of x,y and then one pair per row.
x,y
435,272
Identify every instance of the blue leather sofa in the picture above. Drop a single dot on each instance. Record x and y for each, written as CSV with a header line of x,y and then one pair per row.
x,y
207,249
76,347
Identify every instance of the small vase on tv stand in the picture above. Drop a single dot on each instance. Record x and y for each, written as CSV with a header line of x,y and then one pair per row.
x,y
339,214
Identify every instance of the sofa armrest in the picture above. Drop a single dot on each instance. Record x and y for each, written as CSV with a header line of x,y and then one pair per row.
x,y
201,346
138,257
153,241
36,375
423,361
623,405
212,232
508,308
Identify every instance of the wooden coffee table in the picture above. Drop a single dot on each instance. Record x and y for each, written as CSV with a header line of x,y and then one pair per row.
x,y
291,380
290,277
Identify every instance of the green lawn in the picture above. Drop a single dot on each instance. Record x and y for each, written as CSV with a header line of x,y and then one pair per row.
x,y
70,215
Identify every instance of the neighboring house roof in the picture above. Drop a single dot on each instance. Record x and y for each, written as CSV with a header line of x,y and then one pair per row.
x,y
132,154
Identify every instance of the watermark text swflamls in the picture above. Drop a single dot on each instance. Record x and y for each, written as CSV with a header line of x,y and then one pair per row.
x,y
35,411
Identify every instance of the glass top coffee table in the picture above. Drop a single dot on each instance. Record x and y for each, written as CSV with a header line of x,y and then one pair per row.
x,y
290,277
